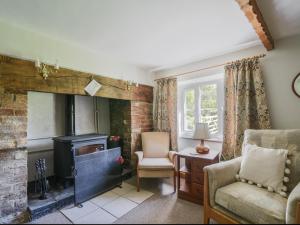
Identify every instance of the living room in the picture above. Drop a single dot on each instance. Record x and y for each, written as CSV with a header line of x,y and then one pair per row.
x,y
149,112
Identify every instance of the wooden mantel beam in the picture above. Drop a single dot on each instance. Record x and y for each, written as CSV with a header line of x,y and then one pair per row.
x,y
253,13
19,76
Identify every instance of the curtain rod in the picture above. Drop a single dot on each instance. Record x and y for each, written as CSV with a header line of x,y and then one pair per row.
x,y
210,67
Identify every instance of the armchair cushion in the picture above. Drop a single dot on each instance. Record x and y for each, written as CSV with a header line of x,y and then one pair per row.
x,y
156,164
293,200
156,144
254,204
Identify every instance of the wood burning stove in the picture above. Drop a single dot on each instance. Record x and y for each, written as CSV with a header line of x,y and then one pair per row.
x,y
65,148
85,160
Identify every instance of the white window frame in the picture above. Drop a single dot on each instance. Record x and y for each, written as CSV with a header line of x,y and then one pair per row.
x,y
195,85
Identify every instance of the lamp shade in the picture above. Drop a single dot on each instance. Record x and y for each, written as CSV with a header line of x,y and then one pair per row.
x,y
201,131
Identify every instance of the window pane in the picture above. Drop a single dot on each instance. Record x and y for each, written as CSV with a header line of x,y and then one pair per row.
x,y
189,110
209,107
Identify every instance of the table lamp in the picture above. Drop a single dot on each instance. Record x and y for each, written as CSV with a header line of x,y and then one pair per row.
x,y
201,133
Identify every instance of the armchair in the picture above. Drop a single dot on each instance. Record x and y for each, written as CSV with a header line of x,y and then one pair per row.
x,y
156,160
230,202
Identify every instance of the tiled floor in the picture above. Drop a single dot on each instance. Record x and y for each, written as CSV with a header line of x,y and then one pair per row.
x,y
162,208
107,208
97,217
120,207
105,199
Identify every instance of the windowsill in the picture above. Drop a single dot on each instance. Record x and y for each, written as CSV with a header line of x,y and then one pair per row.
x,y
217,140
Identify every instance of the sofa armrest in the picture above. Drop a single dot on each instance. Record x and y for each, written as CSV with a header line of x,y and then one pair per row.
x,y
292,212
220,175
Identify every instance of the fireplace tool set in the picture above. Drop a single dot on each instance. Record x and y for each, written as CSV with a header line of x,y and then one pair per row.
x,y
41,179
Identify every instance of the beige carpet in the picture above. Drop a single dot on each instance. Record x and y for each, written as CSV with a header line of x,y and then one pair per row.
x,y
162,208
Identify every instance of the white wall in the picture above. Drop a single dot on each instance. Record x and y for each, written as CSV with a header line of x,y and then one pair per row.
x,y
26,44
280,66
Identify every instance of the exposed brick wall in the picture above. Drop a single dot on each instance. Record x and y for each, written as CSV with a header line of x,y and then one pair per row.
x,y
13,184
141,121
13,156
13,121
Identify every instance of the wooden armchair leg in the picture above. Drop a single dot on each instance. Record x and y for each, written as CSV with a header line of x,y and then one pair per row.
x,y
298,213
175,177
137,175
206,218
138,182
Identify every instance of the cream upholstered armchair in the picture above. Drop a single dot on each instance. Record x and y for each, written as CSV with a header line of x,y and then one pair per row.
x,y
229,201
156,160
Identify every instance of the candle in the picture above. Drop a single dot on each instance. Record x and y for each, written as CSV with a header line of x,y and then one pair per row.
x,y
37,63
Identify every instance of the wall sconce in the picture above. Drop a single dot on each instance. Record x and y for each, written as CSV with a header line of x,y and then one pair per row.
x,y
131,84
45,70
4,59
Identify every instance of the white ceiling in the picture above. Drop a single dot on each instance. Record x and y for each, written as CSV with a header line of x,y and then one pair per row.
x,y
153,34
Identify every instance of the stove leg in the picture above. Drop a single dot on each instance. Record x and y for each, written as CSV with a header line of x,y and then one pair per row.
x,y
79,206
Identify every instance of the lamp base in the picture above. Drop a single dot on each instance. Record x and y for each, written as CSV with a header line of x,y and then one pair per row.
x,y
202,149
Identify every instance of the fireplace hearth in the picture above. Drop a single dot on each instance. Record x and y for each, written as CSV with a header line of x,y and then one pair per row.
x,y
84,168
57,198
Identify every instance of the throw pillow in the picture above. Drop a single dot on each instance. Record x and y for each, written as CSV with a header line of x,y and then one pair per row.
x,y
265,168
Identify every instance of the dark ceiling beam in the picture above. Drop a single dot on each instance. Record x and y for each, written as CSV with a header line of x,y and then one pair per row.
x,y
255,17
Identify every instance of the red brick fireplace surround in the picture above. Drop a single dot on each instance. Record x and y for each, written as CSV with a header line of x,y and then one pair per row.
x,y
17,77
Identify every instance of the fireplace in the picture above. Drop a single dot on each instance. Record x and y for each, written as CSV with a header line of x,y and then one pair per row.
x,y
84,167
131,112
85,160
13,154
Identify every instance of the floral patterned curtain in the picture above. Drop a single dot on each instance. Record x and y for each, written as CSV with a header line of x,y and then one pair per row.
x,y
245,104
165,109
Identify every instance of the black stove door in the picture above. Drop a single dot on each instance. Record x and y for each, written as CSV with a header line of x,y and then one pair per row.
x,y
96,173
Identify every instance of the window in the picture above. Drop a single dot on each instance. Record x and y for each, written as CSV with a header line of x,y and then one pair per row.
x,y
202,101
189,109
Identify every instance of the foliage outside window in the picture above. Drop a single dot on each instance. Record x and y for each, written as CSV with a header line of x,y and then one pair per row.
x,y
189,109
203,102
